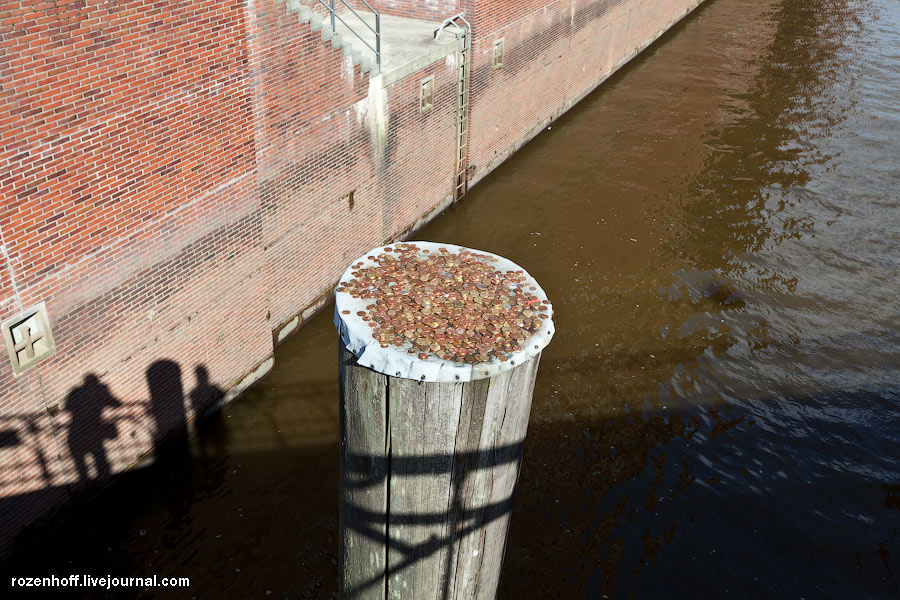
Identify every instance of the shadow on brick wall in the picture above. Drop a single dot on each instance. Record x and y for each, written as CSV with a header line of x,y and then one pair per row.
x,y
89,428
40,488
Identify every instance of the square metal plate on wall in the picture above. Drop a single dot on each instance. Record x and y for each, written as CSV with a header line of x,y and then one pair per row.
x,y
426,94
497,59
28,338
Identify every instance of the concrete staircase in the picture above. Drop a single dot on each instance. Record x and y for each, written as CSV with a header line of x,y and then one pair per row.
x,y
317,22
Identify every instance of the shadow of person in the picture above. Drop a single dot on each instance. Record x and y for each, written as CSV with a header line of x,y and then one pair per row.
x,y
173,466
204,396
88,429
207,414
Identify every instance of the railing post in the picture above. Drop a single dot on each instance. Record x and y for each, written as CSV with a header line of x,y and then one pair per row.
x,y
378,39
333,30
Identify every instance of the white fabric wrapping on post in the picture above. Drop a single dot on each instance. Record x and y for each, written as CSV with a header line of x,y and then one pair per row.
x,y
397,362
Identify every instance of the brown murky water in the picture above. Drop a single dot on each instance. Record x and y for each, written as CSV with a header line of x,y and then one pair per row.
x,y
718,228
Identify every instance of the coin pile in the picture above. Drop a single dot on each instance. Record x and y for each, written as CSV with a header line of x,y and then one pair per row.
x,y
455,306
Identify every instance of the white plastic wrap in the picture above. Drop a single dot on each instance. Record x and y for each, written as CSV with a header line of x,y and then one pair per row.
x,y
397,362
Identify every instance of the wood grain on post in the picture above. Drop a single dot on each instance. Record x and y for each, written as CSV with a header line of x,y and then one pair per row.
x,y
428,471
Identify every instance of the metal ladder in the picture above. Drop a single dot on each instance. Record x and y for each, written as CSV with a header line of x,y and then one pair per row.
x,y
463,34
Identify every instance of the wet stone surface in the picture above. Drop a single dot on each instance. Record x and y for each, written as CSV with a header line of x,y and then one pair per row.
x,y
456,306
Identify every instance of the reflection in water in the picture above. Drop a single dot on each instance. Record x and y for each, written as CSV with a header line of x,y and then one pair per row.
x,y
717,228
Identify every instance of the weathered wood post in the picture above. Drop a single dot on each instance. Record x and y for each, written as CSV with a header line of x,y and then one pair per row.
x,y
439,349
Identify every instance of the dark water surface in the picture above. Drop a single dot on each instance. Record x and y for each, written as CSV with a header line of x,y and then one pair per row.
x,y
718,228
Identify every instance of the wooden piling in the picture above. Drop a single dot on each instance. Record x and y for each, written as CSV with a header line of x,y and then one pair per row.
x,y
427,476
428,470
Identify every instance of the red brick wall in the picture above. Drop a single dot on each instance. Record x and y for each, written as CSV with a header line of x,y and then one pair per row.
x,y
312,151
316,148
128,180
175,183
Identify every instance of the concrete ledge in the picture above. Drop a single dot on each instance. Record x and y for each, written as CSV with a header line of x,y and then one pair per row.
x,y
432,55
407,45
286,330
424,219
317,305
236,390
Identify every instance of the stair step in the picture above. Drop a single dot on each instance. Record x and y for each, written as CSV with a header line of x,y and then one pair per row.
x,y
305,13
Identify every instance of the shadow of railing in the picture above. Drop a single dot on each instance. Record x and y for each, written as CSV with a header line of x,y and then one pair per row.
x,y
450,474
51,457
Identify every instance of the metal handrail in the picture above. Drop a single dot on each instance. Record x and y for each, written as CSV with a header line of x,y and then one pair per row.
x,y
376,30
448,21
